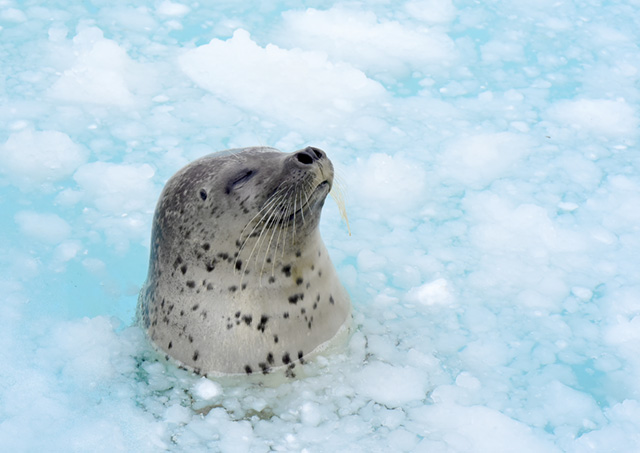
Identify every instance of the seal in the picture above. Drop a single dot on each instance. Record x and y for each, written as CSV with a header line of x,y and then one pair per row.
x,y
239,279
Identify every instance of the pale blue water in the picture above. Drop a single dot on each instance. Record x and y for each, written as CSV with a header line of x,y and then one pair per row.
x,y
489,154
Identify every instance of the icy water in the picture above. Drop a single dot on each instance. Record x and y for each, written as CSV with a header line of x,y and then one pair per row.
x,y
489,152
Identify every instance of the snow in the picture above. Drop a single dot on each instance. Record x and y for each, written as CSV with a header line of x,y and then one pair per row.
x,y
488,157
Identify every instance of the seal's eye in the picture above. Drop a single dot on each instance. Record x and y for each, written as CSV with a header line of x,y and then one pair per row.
x,y
203,194
240,179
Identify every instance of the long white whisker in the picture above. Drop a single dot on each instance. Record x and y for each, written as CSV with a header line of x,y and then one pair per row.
x,y
273,200
268,214
276,222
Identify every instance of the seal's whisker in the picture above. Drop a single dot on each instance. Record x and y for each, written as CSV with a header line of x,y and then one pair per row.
x,y
287,215
281,228
337,193
300,192
268,215
272,222
264,211
266,205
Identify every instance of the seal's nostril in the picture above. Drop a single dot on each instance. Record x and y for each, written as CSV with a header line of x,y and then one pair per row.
x,y
309,155
305,157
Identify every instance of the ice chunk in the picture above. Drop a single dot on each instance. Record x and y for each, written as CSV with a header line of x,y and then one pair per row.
x,y
49,228
294,86
371,44
30,158
604,117
391,385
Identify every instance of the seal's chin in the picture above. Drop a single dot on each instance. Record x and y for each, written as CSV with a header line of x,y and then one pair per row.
x,y
317,197
313,202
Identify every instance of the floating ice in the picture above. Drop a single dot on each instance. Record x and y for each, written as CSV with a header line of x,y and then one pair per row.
x,y
36,158
360,38
303,89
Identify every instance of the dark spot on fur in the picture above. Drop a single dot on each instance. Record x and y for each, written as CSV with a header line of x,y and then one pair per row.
x,y
195,355
303,311
181,312
244,286
233,288
300,355
239,264
331,301
270,358
211,266
195,307
191,284
223,256
286,315
177,262
247,319
206,246
285,358
209,287
272,279
248,369
203,194
275,338
264,367
170,345
298,254
263,323
286,270
294,298
237,315
190,339
299,281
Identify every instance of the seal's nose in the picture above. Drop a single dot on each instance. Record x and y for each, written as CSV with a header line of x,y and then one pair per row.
x,y
309,155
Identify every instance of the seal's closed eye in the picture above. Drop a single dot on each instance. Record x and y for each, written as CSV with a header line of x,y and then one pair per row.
x,y
241,178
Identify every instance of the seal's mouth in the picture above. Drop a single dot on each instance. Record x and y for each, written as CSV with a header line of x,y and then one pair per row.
x,y
318,195
313,202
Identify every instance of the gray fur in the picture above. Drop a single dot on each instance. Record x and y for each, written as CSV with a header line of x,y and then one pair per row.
x,y
239,279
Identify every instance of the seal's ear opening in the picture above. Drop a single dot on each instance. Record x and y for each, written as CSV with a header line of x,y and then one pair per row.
x,y
203,194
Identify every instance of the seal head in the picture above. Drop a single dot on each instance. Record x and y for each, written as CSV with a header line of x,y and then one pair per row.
x,y
239,279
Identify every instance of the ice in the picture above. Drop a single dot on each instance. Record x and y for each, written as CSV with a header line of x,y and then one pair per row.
x,y
362,39
389,385
270,86
488,157
43,227
610,118
167,8
478,429
31,157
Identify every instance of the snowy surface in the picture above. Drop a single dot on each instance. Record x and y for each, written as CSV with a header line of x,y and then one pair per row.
x,y
489,154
